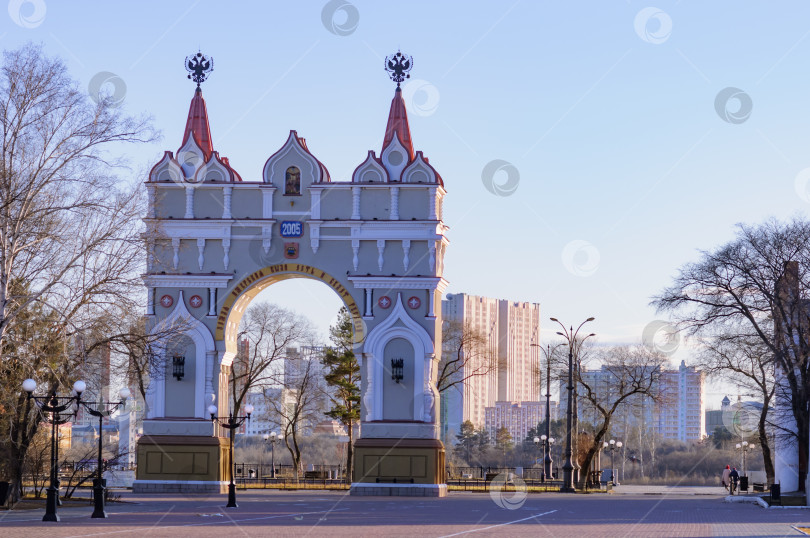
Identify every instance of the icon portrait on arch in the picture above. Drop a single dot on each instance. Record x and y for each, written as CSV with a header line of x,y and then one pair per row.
x,y
292,181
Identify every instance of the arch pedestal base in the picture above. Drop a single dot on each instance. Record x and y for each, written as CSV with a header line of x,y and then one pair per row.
x,y
182,464
399,467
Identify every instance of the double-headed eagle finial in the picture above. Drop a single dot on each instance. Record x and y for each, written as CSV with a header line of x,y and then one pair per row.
x,y
398,66
199,67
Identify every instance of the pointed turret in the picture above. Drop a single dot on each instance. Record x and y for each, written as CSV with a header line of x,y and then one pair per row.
x,y
398,124
197,124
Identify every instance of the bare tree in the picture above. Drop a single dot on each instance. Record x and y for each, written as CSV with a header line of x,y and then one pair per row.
x,y
760,280
70,249
266,333
466,353
631,371
746,361
300,406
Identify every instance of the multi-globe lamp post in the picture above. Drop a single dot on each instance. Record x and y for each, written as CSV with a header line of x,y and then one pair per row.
x,y
231,422
613,445
57,407
272,438
570,336
102,409
546,443
744,447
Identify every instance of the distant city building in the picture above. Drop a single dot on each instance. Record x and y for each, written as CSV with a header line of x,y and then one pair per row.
x,y
679,413
265,419
517,417
509,329
714,418
682,409
95,371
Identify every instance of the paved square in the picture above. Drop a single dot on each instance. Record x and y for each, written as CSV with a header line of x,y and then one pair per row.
x,y
320,513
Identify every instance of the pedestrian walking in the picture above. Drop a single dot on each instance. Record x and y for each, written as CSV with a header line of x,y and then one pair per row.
x,y
734,476
725,479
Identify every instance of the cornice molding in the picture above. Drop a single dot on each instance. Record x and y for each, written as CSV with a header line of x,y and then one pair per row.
x,y
187,281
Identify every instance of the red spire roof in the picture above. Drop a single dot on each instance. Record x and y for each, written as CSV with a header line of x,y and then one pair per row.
x,y
398,122
197,124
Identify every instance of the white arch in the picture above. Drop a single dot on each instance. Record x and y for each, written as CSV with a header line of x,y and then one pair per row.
x,y
204,360
398,324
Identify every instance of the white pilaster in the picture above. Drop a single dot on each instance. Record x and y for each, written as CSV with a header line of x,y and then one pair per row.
x,y
432,210
380,250
212,301
150,301
150,254
150,207
432,249
314,237
431,300
406,249
394,203
209,373
200,251
356,204
369,293
267,202
267,238
176,249
356,253
226,248
189,203
315,210
227,192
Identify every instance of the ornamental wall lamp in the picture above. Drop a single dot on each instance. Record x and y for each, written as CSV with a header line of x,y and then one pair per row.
x,y
397,369
178,367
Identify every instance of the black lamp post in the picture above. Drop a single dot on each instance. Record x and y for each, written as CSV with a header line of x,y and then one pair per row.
x,y
568,466
102,409
547,461
272,438
57,406
230,422
613,445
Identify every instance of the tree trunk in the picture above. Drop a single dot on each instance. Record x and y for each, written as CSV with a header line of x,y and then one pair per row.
x,y
767,458
586,464
350,454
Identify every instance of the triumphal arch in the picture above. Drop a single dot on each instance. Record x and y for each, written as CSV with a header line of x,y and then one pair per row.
x,y
216,239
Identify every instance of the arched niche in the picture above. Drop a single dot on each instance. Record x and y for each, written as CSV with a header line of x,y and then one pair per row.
x,y
177,326
398,394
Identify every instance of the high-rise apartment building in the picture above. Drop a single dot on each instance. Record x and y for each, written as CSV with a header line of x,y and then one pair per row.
x,y
507,330
682,410
679,412
517,417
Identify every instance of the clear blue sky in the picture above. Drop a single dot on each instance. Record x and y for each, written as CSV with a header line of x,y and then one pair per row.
x,y
612,125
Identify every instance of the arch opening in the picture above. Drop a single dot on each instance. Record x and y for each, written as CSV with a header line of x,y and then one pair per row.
x,y
237,301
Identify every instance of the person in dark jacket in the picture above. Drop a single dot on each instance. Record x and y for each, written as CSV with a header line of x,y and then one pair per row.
x,y
735,477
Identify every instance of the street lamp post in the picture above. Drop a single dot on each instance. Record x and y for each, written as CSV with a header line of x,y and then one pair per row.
x,y
548,352
613,445
546,443
231,422
568,467
745,447
272,438
57,406
103,409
